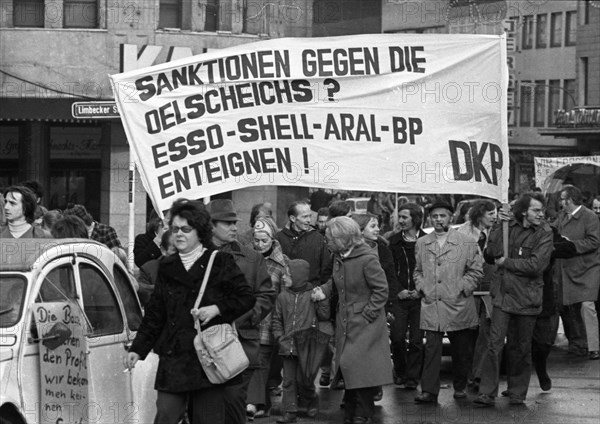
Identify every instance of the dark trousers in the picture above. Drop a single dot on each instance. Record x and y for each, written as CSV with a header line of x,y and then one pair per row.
x,y
258,393
359,402
462,356
207,406
574,328
407,364
518,330
295,386
236,391
544,334
481,343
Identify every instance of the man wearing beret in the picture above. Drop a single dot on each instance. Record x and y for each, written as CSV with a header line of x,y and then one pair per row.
x,y
447,271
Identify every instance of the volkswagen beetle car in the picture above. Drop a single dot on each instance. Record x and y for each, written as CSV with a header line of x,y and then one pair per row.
x,y
53,375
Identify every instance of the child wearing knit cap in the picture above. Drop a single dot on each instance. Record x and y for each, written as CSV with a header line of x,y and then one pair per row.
x,y
294,318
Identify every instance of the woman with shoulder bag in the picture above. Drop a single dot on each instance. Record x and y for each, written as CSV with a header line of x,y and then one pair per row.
x,y
168,325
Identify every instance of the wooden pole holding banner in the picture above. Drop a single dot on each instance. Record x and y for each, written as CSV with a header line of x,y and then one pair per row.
x,y
505,208
131,232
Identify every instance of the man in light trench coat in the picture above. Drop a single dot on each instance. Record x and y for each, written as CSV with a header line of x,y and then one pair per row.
x,y
447,271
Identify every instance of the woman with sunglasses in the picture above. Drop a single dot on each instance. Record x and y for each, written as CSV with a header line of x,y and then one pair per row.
x,y
168,326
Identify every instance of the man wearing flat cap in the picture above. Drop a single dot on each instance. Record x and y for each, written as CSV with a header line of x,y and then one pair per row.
x,y
447,271
252,264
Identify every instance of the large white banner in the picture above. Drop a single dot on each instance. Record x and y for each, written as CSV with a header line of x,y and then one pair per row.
x,y
388,112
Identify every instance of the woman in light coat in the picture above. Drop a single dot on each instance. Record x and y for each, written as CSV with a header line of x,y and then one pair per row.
x,y
362,348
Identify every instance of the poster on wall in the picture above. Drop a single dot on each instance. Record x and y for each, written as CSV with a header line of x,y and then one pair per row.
x,y
63,367
412,113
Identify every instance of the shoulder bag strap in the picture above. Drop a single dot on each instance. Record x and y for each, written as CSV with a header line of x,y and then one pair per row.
x,y
205,280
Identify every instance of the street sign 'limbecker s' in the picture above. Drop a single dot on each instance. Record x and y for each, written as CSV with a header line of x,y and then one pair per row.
x,y
94,110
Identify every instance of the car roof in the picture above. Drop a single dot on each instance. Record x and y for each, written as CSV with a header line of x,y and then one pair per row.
x,y
21,254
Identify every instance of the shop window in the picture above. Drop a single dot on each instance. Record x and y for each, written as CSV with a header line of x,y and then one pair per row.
x,y
28,13
554,92
525,102
170,14
541,32
527,32
569,100
539,108
80,13
571,29
556,26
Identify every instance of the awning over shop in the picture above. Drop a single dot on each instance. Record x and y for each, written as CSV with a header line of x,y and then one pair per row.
x,y
32,109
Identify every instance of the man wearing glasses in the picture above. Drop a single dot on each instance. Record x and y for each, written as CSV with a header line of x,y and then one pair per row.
x,y
516,293
579,276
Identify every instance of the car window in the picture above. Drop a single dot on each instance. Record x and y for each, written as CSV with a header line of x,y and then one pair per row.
x,y
130,302
12,297
58,285
99,302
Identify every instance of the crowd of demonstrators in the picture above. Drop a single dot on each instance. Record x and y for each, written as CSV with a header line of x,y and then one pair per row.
x,y
423,285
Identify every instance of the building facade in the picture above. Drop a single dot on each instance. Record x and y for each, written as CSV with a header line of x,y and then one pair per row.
x,y
549,44
54,53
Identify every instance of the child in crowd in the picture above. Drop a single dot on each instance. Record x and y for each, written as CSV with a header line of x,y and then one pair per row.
x,y
296,316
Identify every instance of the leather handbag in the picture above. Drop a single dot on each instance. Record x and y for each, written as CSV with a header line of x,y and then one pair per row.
x,y
218,347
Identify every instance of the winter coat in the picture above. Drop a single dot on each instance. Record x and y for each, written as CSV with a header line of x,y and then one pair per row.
x,y
362,345
254,268
580,275
144,249
310,246
488,269
517,287
294,312
277,267
168,326
446,278
387,263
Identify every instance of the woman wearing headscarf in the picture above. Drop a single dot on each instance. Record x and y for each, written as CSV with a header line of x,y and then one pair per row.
x,y
264,242
168,325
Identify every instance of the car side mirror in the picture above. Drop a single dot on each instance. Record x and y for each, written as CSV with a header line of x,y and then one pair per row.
x,y
56,336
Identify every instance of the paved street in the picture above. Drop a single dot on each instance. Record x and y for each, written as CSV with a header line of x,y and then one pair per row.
x,y
574,398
